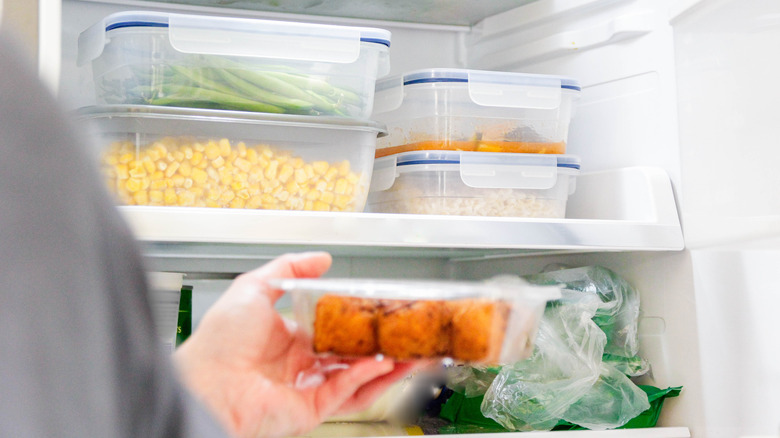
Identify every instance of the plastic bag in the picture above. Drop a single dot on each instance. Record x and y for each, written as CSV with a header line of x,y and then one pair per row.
x,y
617,315
565,378
535,393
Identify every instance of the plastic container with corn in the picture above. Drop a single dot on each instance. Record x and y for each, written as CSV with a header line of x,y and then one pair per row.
x,y
204,158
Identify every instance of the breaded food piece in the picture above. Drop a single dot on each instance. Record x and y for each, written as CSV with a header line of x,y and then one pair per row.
x,y
345,326
413,329
478,329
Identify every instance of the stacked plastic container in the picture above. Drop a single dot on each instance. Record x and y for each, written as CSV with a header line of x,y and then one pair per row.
x,y
209,111
468,142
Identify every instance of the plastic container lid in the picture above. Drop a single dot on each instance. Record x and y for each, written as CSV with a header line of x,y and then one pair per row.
x,y
239,36
416,289
478,169
486,88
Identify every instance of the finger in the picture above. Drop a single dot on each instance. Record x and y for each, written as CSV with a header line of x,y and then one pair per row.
x,y
342,385
370,392
292,265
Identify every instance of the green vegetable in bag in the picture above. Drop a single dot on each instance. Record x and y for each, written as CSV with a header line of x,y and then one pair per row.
x,y
617,315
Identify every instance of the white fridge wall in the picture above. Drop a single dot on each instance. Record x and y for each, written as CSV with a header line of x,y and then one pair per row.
x,y
728,58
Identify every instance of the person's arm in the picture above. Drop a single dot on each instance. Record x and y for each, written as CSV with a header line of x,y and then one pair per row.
x,y
246,362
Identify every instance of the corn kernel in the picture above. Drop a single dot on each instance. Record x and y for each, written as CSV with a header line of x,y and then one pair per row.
x,y
188,152
309,171
300,176
171,169
141,198
330,174
253,202
242,164
320,167
342,201
308,205
312,195
137,172
271,170
186,199
185,168
352,178
251,156
199,177
218,162
158,184
241,147
197,158
320,206
133,185
341,186
178,181
211,151
226,197
149,165
156,196
122,171
170,197
125,158
224,147
243,194
285,173
327,197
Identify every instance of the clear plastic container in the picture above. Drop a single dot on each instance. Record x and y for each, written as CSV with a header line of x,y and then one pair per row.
x,y
487,322
213,158
234,63
472,110
473,184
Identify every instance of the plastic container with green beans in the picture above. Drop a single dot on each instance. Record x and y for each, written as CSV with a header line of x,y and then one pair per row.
x,y
155,58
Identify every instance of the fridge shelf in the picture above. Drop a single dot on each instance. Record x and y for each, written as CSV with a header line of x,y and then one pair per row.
x,y
452,12
629,209
339,429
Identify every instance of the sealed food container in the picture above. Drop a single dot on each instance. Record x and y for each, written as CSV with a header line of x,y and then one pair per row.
x,y
243,64
473,110
473,184
489,322
214,158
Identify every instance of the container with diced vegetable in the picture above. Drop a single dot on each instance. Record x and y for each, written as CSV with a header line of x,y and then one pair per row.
x,y
475,110
166,59
233,159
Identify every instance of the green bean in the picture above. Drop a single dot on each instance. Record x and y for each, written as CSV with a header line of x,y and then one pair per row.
x,y
319,86
173,94
296,106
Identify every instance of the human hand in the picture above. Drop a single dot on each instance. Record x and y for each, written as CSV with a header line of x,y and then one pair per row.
x,y
244,360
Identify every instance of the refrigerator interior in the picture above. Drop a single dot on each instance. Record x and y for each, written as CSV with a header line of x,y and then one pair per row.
x,y
674,129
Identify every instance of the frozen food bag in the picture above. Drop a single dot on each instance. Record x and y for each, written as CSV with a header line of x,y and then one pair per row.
x,y
617,315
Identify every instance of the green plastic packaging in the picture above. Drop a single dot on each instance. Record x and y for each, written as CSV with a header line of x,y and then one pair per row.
x,y
184,326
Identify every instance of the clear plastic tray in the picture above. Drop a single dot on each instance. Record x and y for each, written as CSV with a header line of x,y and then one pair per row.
x,y
476,322
201,61
474,110
212,158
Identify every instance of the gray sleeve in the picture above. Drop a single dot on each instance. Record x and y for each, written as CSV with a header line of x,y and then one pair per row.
x,y
78,356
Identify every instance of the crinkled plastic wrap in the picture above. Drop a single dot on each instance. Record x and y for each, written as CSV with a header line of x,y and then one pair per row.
x,y
617,313
565,378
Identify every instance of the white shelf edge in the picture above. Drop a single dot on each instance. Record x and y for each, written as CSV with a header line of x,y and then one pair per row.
x,y
638,204
241,227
